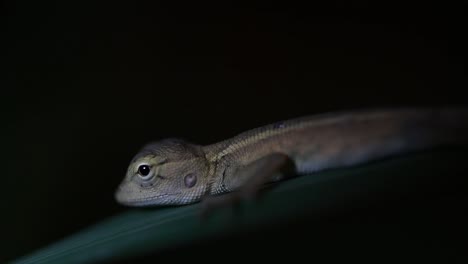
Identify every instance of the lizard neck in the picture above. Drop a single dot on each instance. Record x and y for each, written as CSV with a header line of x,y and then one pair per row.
x,y
217,168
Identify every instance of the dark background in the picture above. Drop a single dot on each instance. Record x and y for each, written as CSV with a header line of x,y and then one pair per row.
x,y
86,85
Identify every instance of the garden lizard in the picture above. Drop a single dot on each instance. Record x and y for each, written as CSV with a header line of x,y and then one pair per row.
x,y
176,172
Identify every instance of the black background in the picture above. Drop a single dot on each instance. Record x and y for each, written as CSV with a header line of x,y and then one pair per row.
x,y
86,85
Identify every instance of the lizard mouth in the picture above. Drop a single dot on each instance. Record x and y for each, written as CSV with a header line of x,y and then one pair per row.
x,y
160,199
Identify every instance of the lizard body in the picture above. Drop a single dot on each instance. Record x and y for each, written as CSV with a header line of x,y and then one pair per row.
x,y
175,172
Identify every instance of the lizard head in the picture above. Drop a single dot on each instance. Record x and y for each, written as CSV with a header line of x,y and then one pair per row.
x,y
168,172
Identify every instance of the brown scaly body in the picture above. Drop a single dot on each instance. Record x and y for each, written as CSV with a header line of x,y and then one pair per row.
x,y
174,172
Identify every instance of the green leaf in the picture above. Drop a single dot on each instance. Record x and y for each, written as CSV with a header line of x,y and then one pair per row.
x,y
138,232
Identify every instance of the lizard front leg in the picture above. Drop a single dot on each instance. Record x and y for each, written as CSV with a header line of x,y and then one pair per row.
x,y
246,182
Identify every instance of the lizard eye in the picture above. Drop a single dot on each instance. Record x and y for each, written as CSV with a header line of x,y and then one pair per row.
x,y
145,172
190,180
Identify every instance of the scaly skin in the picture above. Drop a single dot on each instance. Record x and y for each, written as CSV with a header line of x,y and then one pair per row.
x,y
182,173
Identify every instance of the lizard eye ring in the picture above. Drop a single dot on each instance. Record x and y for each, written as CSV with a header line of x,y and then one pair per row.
x,y
145,172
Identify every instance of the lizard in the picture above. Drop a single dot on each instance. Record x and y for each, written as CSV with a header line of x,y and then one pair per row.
x,y
173,171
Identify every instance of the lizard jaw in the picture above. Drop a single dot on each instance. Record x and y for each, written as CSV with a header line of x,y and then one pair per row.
x,y
160,199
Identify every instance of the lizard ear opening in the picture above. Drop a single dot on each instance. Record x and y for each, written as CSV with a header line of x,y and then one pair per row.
x,y
190,180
